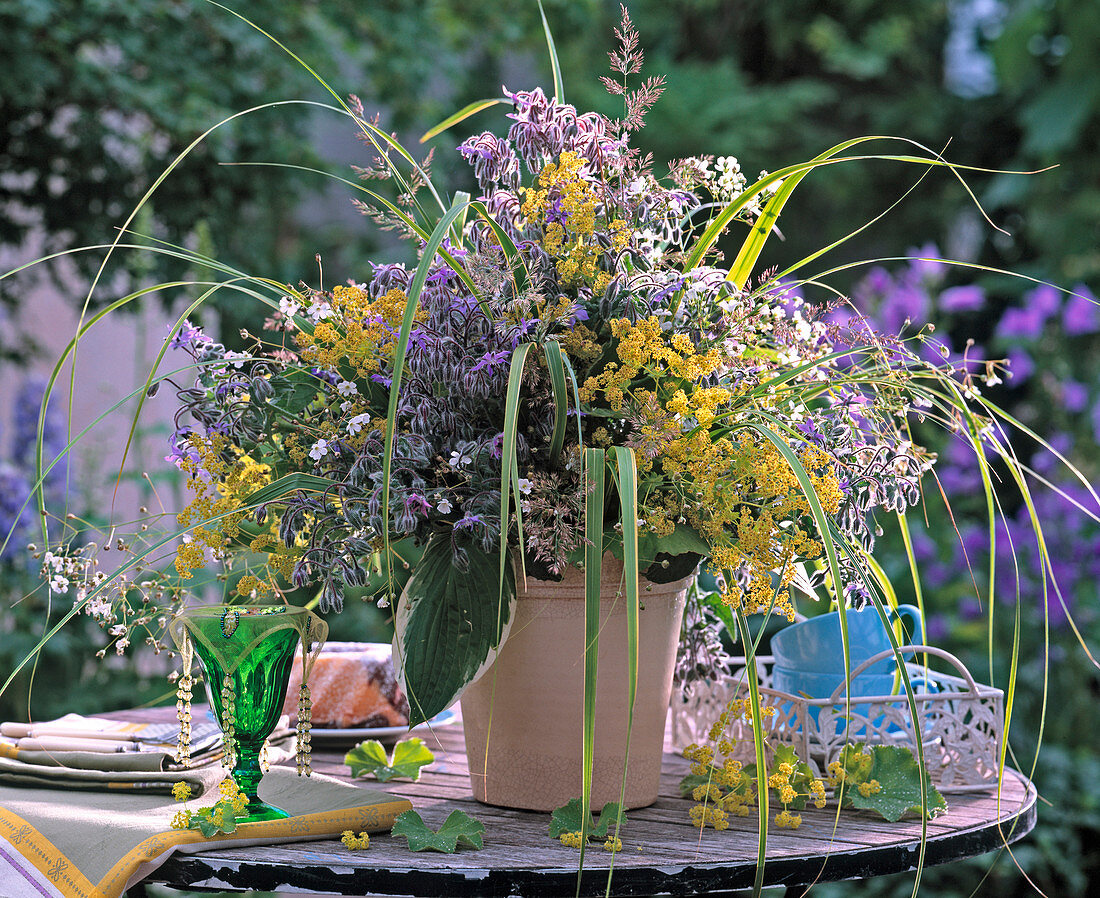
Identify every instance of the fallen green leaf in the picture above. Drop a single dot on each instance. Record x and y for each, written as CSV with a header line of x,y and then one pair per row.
x,y
567,819
458,828
408,757
899,775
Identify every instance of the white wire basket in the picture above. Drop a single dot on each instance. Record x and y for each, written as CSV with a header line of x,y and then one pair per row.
x,y
959,721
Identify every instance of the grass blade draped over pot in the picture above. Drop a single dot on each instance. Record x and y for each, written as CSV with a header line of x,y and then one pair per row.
x,y
594,461
449,625
626,483
555,363
509,476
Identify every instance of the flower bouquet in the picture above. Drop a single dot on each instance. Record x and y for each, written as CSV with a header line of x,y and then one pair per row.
x,y
572,372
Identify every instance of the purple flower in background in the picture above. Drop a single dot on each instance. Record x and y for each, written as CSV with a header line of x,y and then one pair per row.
x,y
957,471
938,628
28,402
1045,461
904,302
927,265
1020,365
1081,314
878,281
14,518
1075,395
969,298
1044,299
970,609
1017,323
935,575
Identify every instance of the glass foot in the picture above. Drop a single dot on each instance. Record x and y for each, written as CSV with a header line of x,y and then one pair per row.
x,y
261,810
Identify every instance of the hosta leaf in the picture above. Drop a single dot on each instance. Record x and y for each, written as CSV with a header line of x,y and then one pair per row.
x,y
457,829
899,775
448,625
682,539
370,758
567,819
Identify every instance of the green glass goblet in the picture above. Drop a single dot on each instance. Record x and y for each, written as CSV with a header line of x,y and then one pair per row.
x,y
247,653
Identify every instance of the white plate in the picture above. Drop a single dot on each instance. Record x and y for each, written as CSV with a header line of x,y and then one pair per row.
x,y
320,735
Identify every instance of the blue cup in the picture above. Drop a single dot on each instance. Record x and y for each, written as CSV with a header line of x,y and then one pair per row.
x,y
815,646
811,685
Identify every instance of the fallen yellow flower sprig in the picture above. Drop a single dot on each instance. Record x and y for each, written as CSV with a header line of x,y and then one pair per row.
x,y
221,817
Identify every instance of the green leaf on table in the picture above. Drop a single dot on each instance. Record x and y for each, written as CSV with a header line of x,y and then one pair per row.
x,y
458,829
204,820
899,775
567,819
408,757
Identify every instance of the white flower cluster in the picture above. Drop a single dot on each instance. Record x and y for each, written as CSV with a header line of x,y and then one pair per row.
x,y
727,181
78,572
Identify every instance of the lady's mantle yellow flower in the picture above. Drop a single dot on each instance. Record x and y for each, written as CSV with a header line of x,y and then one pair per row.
x,y
570,840
181,791
353,842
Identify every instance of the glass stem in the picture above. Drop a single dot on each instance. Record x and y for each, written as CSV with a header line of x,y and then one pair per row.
x,y
247,772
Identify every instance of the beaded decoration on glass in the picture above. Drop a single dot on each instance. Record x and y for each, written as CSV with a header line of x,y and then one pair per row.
x,y
305,722
229,722
184,692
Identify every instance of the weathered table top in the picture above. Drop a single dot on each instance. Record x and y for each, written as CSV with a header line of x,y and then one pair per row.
x,y
662,852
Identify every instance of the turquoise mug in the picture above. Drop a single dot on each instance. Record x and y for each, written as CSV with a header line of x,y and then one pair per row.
x,y
814,645
810,685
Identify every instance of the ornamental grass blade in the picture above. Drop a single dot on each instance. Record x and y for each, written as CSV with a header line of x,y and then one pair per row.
x,y
464,113
758,744
431,246
626,483
555,66
554,363
372,133
509,475
595,461
289,483
428,254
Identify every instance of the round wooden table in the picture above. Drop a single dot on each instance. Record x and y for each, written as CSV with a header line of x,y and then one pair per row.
x,y
662,852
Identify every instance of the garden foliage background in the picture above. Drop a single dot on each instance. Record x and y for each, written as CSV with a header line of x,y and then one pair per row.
x,y
106,93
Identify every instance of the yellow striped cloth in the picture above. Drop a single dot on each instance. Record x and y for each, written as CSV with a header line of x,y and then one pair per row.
x,y
57,842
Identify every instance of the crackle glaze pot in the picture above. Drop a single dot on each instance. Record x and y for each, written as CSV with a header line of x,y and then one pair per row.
x,y
523,718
